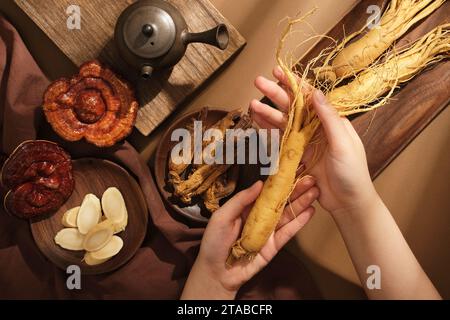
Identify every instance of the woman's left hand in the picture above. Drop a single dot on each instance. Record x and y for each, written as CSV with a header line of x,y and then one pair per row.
x,y
210,277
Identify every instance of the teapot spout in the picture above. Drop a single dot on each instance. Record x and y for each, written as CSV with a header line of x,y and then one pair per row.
x,y
217,36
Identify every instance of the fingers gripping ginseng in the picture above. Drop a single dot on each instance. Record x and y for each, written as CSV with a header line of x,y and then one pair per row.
x,y
269,206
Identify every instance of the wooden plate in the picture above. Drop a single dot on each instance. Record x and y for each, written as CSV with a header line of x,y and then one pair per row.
x,y
95,176
248,174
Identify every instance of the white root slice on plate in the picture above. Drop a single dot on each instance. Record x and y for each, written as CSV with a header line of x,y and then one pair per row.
x,y
99,236
70,239
104,254
90,261
69,218
89,214
109,250
93,232
115,209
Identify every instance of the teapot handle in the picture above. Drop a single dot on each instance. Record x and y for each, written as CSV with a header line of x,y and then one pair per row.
x,y
217,36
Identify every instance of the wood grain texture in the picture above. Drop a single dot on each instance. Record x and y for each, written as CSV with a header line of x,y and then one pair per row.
x,y
160,95
387,131
95,176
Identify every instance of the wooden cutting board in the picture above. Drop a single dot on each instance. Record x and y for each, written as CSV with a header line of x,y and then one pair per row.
x,y
159,96
385,132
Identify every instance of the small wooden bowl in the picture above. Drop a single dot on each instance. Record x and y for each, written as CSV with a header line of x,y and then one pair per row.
x,y
95,176
248,174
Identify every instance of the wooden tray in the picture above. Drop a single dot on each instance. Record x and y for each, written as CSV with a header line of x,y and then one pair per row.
x,y
387,131
160,95
95,176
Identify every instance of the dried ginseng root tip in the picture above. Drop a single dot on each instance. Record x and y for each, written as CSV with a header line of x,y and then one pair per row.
x,y
69,218
70,239
98,236
89,214
237,252
115,209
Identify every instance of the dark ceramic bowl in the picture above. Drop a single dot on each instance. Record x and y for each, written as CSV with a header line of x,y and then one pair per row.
x,y
248,174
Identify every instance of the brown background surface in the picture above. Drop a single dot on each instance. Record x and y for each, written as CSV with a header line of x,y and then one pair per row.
x,y
415,186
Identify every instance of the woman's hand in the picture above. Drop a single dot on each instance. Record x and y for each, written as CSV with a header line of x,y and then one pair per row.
x,y
366,225
210,277
341,172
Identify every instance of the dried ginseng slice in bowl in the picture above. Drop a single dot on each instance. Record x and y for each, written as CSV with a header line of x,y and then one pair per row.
x,y
107,252
69,219
115,209
38,175
98,236
89,214
70,239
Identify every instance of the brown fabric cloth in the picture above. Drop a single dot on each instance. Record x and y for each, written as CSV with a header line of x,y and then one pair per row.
x,y
159,268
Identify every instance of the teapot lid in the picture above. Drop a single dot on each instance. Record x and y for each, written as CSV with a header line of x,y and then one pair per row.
x,y
148,31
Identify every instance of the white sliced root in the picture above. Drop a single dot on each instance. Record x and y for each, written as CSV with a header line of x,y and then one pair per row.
x,y
119,227
115,209
89,230
91,261
70,239
89,214
98,236
69,218
109,250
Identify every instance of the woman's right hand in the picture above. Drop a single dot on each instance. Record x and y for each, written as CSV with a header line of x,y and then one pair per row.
x,y
341,172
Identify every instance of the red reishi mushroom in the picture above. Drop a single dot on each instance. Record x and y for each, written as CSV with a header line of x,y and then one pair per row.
x,y
95,104
38,175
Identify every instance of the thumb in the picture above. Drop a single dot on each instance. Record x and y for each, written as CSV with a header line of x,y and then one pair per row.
x,y
332,123
234,207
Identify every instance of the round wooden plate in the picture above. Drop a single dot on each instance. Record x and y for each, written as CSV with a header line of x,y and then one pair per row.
x,y
248,174
95,176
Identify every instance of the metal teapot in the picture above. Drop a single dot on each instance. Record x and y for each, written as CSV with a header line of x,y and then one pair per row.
x,y
152,34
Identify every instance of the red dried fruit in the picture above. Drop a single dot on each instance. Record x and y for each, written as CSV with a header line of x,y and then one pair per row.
x,y
38,175
95,105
